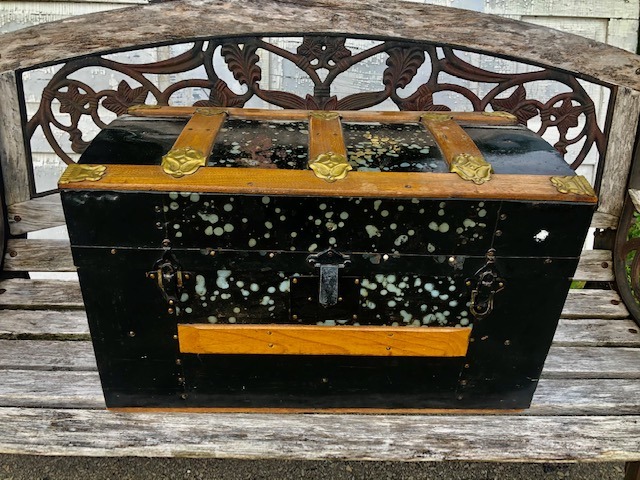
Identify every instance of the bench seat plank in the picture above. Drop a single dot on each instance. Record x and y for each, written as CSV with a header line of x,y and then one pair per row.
x,y
72,325
562,362
319,436
81,389
51,294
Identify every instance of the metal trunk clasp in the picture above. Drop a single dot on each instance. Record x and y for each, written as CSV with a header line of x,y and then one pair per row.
x,y
329,262
167,273
486,283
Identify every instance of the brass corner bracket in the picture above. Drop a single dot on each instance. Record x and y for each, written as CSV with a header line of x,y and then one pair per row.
x,y
576,184
179,162
471,167
324,115
210,111
330,166
82,172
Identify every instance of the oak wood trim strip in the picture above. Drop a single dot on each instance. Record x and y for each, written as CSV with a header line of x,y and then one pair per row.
x,y
484,118
450,138
304,182
320,340
200,132
325,136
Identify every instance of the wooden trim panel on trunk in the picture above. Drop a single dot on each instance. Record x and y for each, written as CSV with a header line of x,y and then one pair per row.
x,y
243,181
314,340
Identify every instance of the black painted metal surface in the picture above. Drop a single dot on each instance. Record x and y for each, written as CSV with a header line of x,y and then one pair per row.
x,y
245,259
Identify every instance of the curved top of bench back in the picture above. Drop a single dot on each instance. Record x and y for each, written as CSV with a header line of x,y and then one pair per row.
x,y
185,20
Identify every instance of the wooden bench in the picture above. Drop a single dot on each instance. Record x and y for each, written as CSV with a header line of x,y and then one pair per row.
x,y
586,408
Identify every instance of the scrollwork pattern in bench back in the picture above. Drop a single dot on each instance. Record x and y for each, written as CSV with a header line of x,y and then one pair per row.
x,y
413,77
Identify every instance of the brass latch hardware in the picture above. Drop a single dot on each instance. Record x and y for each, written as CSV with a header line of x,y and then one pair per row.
x,y
329,262
485,283
167,273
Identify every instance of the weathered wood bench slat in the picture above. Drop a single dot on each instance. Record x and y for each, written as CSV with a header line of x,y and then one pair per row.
x,y
40,294
319,436
35,214
595,265
593,303
562,362
81,389
44,255
46,212
46,355
596,332
38,255
72,325
51,294
44,325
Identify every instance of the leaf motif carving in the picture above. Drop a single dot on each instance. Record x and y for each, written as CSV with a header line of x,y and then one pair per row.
x,y
516,104
221,96
73,102
402,66
242,62
422,100
124,97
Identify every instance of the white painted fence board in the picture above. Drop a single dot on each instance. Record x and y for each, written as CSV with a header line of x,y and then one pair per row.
x,y
564,8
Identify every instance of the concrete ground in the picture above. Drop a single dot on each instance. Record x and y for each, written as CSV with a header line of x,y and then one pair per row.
x,y
25,467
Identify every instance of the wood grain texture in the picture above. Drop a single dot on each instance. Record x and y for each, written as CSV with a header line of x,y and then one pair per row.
x,y
314,340
13,158
40,294
46,355
155,24
72,325
562,362
588,362
43,325
619,154
483,118
38,255
35,214
451,138
595,265
52,294
597,332
81,389
320,436
200,132
304,182
604,220
37,389
325,136
594,303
